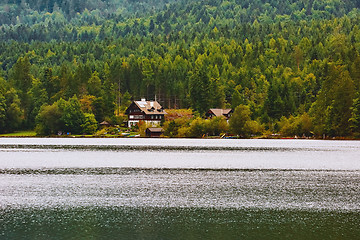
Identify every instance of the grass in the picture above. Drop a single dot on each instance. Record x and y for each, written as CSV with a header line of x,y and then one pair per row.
x,y
28,133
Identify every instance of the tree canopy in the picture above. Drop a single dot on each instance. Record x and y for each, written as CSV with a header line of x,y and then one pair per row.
x,y
282,60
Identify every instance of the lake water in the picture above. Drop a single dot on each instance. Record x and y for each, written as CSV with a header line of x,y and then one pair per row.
x,y
87,188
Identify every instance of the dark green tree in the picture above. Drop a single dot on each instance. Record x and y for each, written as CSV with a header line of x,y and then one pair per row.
x,y
200,87
2,113
21,78
355,115
38,97
72,116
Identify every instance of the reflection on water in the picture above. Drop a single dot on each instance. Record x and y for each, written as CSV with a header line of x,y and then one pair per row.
x,y
266,189
190,189
177,223
179,153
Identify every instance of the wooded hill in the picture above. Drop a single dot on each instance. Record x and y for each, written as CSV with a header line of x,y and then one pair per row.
x,y
294,64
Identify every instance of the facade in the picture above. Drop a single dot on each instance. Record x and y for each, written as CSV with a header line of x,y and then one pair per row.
x,y
218,112
150,112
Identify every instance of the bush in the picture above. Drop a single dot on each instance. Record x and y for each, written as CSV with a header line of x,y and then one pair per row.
x,y
296,126
48,120
65,116
241,124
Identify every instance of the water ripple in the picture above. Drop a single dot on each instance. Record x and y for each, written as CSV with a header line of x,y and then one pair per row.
x,y
4,147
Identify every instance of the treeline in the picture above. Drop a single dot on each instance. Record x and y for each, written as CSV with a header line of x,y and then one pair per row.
x,y
35,11
288,67
31,20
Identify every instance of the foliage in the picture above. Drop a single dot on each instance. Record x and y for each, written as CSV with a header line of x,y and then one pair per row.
x,y
296,126
14,113
355,115
65,117
90,124
49,120
281,59
195,127
241,124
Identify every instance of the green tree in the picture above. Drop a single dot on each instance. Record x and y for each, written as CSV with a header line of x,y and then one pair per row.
x,y
148,73
197,128
332,108
105,105
50,83
21,78
48,121
2,113
216,126
38,97
94,85
355,115
296,126
274,105
171,128
240,122
73,117
217,94
236,99
14,113
90,124
200,87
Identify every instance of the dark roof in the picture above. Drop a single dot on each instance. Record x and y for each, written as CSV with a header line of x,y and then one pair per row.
x,y
218,112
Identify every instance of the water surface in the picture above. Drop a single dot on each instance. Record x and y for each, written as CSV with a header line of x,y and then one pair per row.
x,y
179,189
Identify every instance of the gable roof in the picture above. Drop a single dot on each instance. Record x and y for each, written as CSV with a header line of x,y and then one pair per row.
x,y
218,112
105,123
153,129
149,107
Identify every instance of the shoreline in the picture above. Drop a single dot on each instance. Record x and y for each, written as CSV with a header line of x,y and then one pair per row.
x,y
212,137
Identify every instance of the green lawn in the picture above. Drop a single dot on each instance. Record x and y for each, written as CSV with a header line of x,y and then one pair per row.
x,y
19,134
30,133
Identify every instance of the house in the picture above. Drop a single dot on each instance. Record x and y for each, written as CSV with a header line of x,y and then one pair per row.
x,y
150,112
154,132
104,124
218,112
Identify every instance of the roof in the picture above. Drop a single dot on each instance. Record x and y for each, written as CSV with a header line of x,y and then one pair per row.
x,y
104,123
218,112
152,129
150,107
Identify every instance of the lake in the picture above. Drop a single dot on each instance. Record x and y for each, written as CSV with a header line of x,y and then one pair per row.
x,y
88,188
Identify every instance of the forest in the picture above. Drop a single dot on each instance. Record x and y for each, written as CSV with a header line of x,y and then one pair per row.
x,y
285,66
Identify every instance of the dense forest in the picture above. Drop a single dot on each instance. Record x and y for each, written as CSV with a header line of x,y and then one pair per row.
x,y
288,66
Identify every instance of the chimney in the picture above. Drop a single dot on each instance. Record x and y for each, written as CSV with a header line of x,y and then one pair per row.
x,y
143,99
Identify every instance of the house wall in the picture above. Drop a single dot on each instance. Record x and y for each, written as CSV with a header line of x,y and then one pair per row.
x,y
153,134
153,123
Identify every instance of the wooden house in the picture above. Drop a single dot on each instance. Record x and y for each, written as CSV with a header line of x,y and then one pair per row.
x,y
218,112
154,132
150,112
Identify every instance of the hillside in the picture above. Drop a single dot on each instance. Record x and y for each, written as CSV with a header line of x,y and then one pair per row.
x,y
294,64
